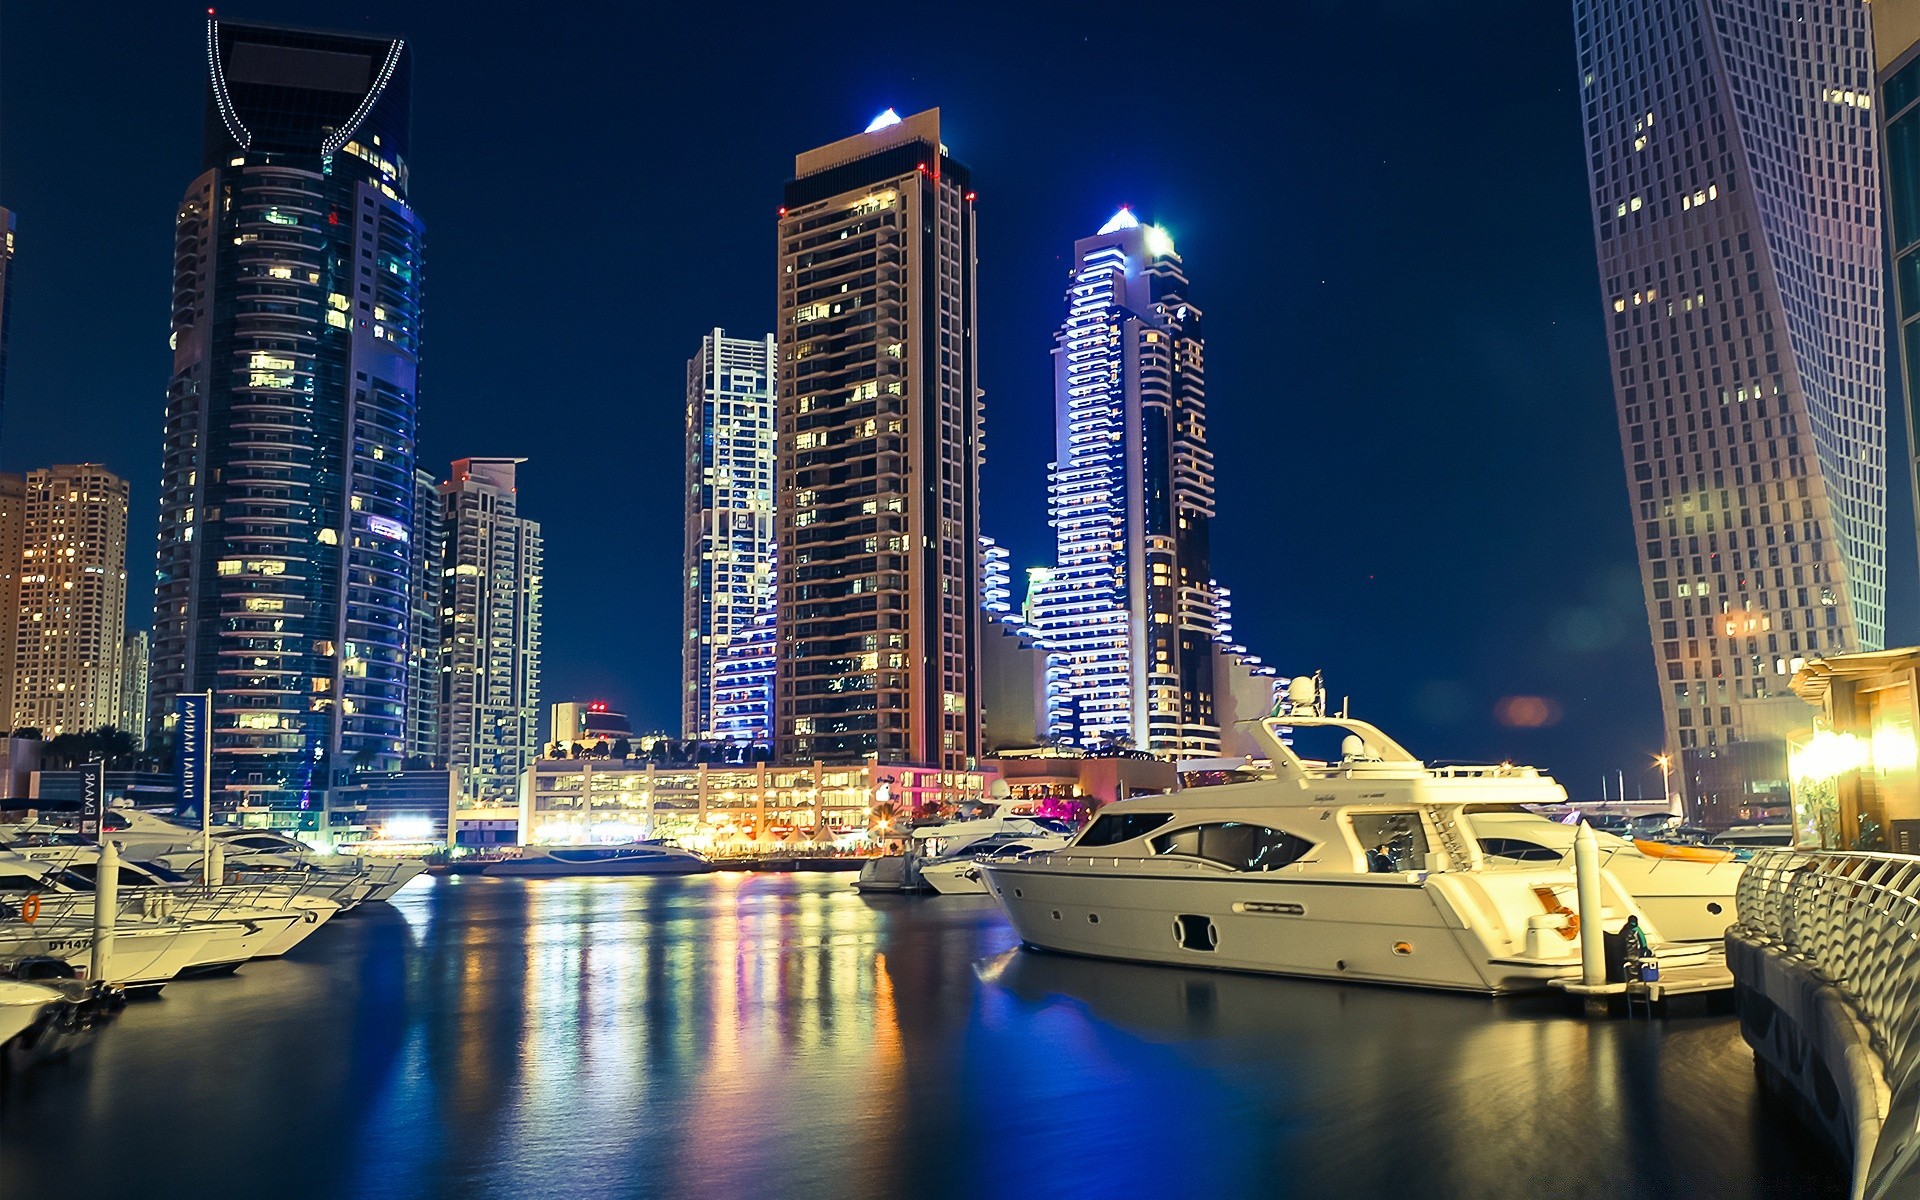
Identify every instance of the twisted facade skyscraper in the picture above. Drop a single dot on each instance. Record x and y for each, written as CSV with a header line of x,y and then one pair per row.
x,y
1736,213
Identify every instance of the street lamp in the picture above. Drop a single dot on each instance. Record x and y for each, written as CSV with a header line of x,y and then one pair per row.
x,y
1666,783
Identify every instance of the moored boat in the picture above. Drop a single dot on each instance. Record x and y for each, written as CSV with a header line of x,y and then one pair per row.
x,y
1367,865
636,858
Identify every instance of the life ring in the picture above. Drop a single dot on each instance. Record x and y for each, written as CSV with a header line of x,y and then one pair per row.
x,y
30,908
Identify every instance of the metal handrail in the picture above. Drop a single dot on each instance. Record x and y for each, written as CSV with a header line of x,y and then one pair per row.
x,y
1854,920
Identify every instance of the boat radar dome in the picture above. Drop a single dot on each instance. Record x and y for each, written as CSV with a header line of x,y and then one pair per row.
x,y
1301,691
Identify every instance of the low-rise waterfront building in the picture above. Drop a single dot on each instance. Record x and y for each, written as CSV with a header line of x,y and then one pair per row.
x,y
394,812
710,807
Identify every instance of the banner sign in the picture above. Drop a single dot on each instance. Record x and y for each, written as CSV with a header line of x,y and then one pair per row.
x,y
190,745
93,798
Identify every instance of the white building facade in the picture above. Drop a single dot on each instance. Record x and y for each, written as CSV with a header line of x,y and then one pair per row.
x,y
726,668
1128,614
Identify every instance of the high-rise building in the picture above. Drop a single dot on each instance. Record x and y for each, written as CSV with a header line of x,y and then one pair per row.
x,y
729,527
878,481
490,631
743,679
425,585
7,225
136,658
1736,213
1128,616
1896,44
286,505
13,531
73,600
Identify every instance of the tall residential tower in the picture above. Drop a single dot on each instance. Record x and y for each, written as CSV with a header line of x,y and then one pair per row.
x,y
1128,615
878,481
729,538
73,600
489,631
286,494
1736,212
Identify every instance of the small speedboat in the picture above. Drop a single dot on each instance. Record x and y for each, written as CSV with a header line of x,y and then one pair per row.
x,y
636,858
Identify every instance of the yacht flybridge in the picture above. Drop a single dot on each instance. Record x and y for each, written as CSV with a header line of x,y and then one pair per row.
x,y
1366,864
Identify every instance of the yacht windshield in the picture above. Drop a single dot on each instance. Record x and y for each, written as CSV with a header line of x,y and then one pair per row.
x,y
1110,829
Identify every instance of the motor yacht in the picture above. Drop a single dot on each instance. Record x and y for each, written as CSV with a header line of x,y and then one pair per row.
x,y
1365,864
355,879
637,858
962,837
959,874
246,896
244,922
146,954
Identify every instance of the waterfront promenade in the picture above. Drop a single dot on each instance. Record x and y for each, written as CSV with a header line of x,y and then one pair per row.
x,y
769,1036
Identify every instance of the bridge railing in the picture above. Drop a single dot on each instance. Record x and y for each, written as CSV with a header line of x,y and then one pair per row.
x,y
1853,920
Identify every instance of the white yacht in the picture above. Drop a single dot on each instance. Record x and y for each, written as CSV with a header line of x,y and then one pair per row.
x,y
349,879
956,843
146,954
637,858
959,874
1366,864
243,923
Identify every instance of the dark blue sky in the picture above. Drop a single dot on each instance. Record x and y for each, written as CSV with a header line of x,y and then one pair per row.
x,y
1381,206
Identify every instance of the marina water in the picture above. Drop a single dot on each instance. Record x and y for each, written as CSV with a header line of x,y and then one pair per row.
x,y
737,1035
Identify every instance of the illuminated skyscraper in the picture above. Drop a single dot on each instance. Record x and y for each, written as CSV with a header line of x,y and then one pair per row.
x,y
286,495
489,631
1128,615
73,600
1896,44
426,585
878,480
7,224
136,661
1736,211
729,538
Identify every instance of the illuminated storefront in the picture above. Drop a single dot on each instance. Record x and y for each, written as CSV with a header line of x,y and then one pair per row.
x,y
1854,781
707,807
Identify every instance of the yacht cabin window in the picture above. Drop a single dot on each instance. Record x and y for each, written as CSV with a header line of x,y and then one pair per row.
x,y
1110,829
1392,841
1518,850
1234,844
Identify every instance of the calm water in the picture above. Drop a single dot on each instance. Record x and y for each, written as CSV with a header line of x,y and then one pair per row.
x,y
775,1036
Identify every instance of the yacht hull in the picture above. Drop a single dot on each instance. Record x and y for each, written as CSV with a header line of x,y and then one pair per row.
x,y
390,877
143,956
955,879
1391,930
550,869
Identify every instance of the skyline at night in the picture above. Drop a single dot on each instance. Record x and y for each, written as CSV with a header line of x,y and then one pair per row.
x,y
1408,389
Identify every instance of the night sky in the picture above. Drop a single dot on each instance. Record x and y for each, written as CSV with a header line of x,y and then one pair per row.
x,y
1381,207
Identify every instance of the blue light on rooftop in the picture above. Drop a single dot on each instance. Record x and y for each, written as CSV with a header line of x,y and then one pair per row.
x,y
885,119
1121,220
